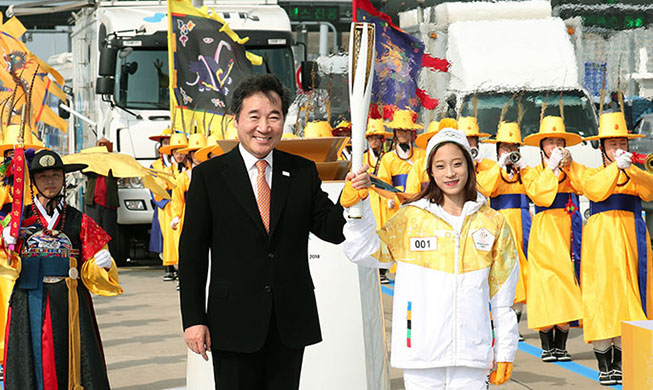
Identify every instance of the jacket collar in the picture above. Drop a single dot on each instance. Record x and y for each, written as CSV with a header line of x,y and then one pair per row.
x,y
469,208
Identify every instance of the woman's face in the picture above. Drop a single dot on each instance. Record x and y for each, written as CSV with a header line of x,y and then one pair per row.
x,y
611,145
449,169
548,144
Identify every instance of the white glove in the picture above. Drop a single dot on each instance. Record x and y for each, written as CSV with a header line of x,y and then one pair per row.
x,y
391,204
554,160
503,160
8,239
521,163
103,259
624,159
478,157
174,223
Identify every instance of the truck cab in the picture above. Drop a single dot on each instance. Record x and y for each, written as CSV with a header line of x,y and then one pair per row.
x,y
120,82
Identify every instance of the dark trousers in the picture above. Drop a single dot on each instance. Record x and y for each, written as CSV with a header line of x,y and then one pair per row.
x,y
274,367
107,219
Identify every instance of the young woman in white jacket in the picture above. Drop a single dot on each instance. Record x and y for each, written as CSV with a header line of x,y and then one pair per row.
x,y
457,269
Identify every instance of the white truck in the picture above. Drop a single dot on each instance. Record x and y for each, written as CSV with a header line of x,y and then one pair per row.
x,y
497,49
120,62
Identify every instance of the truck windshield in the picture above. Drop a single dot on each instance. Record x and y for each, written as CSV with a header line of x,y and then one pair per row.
x,y
578,110
142,75
142,79
278,61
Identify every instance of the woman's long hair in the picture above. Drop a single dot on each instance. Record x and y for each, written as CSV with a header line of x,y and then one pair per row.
x,y
433,193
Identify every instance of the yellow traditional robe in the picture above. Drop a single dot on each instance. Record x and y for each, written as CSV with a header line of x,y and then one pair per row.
x,y
500,183
553,292
378,203
394,170
179,202
170,248
610,270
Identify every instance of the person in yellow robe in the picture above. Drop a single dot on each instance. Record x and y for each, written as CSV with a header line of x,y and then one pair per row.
x,y
508,196
417,177
618,272
396,164
160,218
553,289
6,196
170,237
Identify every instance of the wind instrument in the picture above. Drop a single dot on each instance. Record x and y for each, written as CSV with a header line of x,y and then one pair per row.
x,y
362,55
644,159
566,157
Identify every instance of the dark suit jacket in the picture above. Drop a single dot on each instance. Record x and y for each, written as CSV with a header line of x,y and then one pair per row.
x,y
253,273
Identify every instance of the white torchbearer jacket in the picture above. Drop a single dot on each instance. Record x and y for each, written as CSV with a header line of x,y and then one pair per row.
x,y
450,285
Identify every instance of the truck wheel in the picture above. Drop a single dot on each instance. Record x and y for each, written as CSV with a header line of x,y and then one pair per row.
x,y
121,246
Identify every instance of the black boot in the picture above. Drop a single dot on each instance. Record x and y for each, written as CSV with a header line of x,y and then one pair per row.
x,y
518,313
560,345
605,361
616,364
547,346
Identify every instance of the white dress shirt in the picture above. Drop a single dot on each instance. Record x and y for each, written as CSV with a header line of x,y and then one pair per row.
x,y
252,171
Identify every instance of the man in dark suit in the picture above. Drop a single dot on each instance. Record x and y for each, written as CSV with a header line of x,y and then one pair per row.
x,y
254,207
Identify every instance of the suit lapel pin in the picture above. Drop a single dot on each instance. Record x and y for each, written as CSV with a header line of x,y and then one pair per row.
x,y
285,173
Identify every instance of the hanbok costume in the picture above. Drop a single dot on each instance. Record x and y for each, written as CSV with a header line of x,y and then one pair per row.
x,y
553,253
53,340
195,142
396,164
171,237
617,268
162,164
453,275
417,177
508,196
378,203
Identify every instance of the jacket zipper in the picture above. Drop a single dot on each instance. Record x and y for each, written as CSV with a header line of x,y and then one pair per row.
x,y
455,299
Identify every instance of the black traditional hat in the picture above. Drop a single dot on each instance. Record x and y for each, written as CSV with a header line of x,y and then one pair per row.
x,y
47,159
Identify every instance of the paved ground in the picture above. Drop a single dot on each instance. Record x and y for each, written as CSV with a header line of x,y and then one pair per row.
x,y
144,349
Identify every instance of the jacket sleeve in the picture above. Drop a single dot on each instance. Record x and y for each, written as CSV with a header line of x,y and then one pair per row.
x,y
504,274
100,281
414,181
644,182
327,220
362,244
576,173
541,185
487,177
600,182
194,252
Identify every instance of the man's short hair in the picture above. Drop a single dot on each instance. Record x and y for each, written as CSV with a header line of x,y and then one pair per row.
x,y
265,83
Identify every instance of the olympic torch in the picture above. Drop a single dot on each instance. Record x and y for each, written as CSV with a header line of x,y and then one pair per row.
x,y
362,56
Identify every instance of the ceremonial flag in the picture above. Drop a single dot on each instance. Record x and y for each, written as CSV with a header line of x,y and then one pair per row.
x,y
207,60
399,59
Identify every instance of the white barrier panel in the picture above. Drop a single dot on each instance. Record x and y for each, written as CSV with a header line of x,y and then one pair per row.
x,y
352,355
